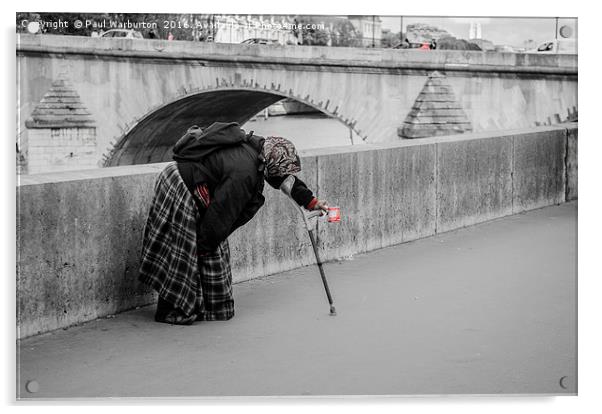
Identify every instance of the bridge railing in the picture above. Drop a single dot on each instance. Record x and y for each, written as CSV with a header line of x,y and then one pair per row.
x,y
79,233
303,57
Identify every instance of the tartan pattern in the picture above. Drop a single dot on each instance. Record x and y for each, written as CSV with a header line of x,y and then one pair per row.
x,y
214,300
169,256
168,262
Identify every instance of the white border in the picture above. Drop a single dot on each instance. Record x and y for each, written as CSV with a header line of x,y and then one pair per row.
x,y
589,204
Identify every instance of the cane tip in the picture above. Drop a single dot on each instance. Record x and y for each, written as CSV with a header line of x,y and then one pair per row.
x,y
333,311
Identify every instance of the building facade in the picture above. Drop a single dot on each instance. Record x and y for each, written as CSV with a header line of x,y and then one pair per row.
x,y
238,28
370,29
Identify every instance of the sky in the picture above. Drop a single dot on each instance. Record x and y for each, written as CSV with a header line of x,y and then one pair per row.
x,y
513,31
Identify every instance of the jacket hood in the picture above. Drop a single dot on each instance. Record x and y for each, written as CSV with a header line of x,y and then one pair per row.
x,y
198,143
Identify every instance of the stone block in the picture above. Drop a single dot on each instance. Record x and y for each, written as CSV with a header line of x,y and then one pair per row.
x,y
386,197
539,169
571,164
78,248
474,181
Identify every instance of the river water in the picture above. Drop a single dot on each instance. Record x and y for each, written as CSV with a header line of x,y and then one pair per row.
x,y
305,130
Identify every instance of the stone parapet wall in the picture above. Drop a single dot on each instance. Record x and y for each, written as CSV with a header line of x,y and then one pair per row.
x,y
79,233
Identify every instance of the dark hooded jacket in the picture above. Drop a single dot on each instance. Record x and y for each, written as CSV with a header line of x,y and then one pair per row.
x,y
231,164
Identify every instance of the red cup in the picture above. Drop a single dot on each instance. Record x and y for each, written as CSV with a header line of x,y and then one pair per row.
x,y
334,214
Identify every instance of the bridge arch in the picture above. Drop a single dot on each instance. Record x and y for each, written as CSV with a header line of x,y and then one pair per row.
x,y
150,138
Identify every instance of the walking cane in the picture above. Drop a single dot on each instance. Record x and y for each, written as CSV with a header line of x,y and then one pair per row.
x,y
286,188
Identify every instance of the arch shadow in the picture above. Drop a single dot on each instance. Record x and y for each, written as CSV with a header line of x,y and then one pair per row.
x,y
151,138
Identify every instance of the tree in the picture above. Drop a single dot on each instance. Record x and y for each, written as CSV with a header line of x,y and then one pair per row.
x,y
389,39
308,31
451,43
344,34
327,30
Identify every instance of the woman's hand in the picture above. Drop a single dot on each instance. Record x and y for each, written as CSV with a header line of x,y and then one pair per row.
x,y
316,204
322,205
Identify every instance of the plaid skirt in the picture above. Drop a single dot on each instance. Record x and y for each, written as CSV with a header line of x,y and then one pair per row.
x,y
214,298
169,262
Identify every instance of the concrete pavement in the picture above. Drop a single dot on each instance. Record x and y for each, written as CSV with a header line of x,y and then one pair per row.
x,y
482,310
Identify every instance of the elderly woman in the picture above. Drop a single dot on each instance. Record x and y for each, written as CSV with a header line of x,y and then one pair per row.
x,y
214,187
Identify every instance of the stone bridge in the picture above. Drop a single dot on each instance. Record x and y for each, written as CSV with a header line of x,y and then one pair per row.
x,y
143,94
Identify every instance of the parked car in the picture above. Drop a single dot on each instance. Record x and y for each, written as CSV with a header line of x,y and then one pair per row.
x,y
505,49
408,45
557,46
258,41
122,34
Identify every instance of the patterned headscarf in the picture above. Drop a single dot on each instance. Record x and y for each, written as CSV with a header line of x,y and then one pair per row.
x,y
280,157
